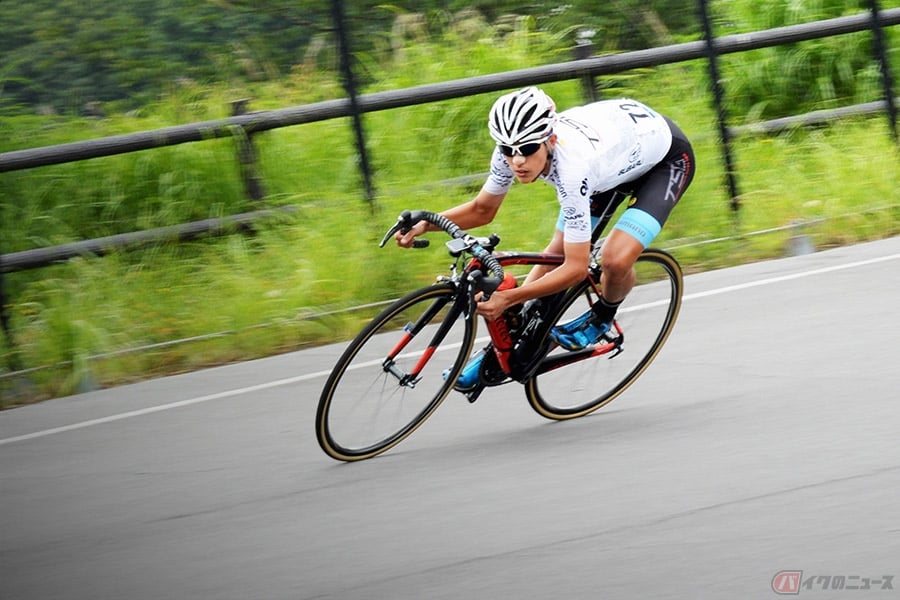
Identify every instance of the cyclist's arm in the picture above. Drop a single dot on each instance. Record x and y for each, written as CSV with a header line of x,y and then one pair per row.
x,y
479,211
573,270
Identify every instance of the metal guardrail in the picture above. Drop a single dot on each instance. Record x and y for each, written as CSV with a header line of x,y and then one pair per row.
x,y
246,124
331,109
19,261
816,117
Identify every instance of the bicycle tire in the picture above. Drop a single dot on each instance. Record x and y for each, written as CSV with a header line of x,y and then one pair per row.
x,y
565,388
365,408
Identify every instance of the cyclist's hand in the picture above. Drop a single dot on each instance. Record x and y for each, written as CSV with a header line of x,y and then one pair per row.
x,y
405,240
492,308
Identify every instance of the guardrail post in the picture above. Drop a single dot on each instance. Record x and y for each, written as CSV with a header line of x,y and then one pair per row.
x,y
247,153
337,11
879,47
13,361
719,100
584,48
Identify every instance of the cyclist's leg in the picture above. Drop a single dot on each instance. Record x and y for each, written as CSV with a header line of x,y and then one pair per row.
x,y
617,257
617,277
587,328
654,196
619,252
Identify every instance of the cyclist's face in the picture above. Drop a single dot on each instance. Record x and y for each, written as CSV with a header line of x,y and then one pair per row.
x,y
528,168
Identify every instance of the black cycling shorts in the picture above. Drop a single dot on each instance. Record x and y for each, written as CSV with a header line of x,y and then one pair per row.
x,y
654,193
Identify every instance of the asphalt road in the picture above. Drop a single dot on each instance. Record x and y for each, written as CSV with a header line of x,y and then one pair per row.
x,y
763,440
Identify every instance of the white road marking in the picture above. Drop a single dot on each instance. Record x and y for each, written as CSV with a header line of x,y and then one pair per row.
x,y
771,280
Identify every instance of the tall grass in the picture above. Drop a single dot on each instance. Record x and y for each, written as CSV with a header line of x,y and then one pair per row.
x,y
814,74
285,286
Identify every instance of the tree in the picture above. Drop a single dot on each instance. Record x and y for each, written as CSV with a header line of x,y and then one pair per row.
x,y
64,53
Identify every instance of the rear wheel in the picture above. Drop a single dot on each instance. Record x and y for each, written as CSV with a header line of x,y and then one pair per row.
x,y
572,384
394,374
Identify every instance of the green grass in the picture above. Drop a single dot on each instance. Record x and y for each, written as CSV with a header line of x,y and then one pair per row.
x,y
104,321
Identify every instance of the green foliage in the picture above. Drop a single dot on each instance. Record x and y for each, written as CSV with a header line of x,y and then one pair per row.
x,y
65,53
70,56
245,296
92,199
76,57
796,78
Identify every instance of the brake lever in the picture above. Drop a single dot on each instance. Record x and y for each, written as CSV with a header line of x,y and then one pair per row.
x,y
390,233
403,225
485,285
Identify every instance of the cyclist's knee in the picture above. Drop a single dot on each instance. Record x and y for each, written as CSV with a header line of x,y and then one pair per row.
x,y
617,266
619,253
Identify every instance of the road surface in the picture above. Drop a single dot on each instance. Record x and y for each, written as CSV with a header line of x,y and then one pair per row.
x,y
762,443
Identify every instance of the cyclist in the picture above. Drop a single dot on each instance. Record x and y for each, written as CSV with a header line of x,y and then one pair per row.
x,y
595,156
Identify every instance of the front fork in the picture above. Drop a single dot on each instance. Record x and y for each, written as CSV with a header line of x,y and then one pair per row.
x,y
412,329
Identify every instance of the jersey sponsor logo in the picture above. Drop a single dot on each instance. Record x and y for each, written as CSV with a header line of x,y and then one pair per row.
x,y
575,219
635,154
631,167
633,228
553,175
678,171
634,160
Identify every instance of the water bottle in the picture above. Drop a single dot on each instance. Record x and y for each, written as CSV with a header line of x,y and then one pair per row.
x,y
503,326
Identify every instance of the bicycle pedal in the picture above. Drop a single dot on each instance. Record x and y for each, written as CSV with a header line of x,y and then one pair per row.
x,y
472,394
615,337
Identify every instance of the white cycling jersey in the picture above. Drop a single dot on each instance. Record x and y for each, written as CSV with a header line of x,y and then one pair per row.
x,y
599,147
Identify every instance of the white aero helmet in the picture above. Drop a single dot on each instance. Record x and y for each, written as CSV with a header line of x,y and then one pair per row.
x,y
522,117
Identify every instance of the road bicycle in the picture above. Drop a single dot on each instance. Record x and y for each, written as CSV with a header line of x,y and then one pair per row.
x,y
407,360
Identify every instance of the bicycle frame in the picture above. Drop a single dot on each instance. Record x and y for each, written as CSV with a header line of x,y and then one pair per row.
x,y
506,356
521,371
471,278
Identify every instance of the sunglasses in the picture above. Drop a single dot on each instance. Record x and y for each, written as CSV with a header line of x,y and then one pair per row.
x,y
523,149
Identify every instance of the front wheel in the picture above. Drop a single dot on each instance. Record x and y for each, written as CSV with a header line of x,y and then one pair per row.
x,y
394,374
572,384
